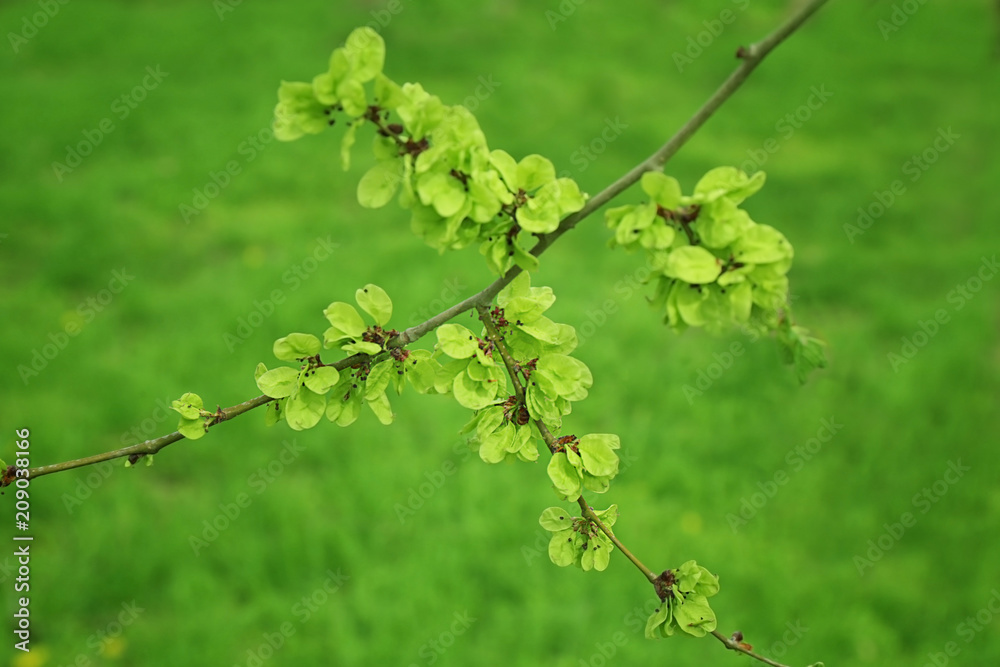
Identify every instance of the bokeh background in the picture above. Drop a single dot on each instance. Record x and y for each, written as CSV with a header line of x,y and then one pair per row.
x,y
397,545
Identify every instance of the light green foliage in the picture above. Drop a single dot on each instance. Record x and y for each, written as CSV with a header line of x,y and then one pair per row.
x,y
589,462
314,389
578,540
714,267
435,158
195,419
684,594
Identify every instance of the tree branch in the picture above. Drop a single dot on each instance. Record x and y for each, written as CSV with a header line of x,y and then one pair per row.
x,y
750,56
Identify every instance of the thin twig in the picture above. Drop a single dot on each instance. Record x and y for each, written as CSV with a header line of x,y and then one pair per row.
x,y
589,512
734,645
508,361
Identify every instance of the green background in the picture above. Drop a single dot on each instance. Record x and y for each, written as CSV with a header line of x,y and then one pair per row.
x,y
107,537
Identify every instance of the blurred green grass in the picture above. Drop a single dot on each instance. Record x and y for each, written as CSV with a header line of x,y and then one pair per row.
x,y
472,546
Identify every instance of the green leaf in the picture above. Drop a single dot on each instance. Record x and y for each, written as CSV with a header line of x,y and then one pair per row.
x,y
296,346
347,142
741,301
562,375
422,371
662,189
524,444
571,199
362,347
192,429
189,406
800,348
692,264
587,557
721,222
522,257
380,406
273,413
365,51
325,85
761,244
694,615
555,519
656,619
347,325
540,214
600,554
486,421
279,382
563,550
351,93
471,394
609,516
304,408
534,171
688,302
260,370
564,476
597,452
728,182
388,94
298,112
344,411
374,301
377,187
456,341
493,446
378,379
442,191
321,379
